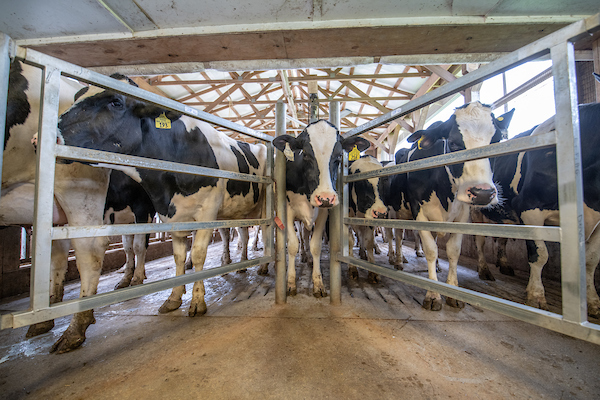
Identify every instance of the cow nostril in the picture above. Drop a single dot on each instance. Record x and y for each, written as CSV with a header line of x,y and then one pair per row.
x,y
481,196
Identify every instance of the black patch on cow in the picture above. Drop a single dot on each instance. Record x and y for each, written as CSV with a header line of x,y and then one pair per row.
x,y
234,187
365,194
250,157
124,192
18,107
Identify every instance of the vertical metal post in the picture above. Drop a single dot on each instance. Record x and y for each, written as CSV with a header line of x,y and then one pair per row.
x,y
281,210
44,190
269,244
4,73
570,187
335,225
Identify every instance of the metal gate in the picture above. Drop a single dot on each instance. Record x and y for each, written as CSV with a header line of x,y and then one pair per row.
x,y
570,234
48,151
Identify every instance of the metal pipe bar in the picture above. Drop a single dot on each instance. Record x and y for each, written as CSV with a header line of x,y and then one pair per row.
x,y
546,233
5,44
44,191
493,150
281,210
76,232
19,319
570,184
335,227
39,59
585,331
532,51
96,156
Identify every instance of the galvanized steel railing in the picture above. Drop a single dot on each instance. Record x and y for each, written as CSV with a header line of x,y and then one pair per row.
x,y
48,151
570,234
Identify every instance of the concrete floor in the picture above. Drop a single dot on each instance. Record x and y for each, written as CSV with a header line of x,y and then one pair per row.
x,y
379,344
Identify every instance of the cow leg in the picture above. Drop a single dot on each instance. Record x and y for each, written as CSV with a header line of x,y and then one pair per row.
x,y
400,259
315,250
352,270
293,245
453,251
129,262
368,238
225,237
90,255
179,255
388,238
592,257
259,230
538,256
59,262
432,301
482,265
418,246
140,247
306,256
502,259
199,248
263,269
243,239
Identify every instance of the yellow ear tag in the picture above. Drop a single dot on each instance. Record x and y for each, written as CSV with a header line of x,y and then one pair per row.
x,y
500,118
354,154
162,122
419,143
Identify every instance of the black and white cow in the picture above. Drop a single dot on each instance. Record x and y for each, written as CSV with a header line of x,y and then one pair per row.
x,y
530,180
311,175
447,193
112,122
366,201
79,197
127,202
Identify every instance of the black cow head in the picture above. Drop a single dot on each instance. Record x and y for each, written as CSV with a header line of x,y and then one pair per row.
x,y
317,157
105,120
472,125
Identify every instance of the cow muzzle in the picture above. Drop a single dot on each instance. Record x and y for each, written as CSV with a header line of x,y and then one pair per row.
x,y
326,201
481,195
379,214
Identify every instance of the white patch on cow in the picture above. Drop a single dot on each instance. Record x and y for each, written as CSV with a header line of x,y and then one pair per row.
x,y
132,172
477,129
125,216
302,210
323,138
517,177
200,206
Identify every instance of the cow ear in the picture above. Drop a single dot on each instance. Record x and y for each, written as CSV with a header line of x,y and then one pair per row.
x,y
80,93
145,110
597,76
503,121
424,139
280,141
361,144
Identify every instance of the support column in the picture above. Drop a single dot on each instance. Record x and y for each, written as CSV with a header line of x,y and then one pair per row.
x,y
281,210
335,225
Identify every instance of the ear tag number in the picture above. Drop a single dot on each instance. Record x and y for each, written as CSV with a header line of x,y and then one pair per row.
x,y
288,153
162,122
354,154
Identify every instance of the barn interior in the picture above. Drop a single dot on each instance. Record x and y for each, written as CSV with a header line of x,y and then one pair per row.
x,y
236,60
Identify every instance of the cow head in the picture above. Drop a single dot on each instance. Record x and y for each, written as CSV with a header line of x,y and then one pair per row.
x,y
472,125
368,195
105,120
317,157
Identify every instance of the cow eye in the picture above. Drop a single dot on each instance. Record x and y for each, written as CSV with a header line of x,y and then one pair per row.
x,y
116,103
454,146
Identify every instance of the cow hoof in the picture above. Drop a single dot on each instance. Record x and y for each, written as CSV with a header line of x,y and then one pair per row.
x,y
538,302
169,305
506,270
67,343
486,275
399,267
318,293
594,310
197,308
263,270
291,291
135,281
225,261
404,259
39,328
122,284
241,271
432,302
455,303
419,253
188,265
373,278
353,273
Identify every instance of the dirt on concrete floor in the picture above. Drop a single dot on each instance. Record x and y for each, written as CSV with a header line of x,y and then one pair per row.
x,y
379,344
